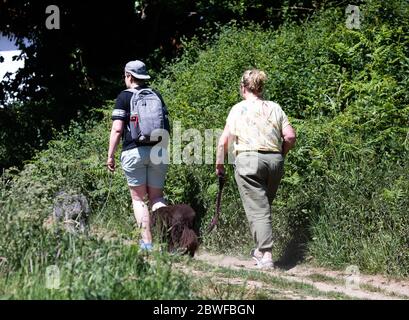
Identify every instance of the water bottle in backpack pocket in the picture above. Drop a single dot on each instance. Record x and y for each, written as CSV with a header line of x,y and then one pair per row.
x,y
134,126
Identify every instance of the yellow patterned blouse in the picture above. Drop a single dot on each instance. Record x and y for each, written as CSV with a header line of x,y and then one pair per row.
x,y
257,125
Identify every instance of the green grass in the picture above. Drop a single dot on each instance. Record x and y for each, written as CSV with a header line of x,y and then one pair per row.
x,y
278,284
371,288
98,270
343,199
316,277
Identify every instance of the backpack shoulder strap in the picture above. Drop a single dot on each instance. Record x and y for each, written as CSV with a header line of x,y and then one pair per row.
x,y
138,91
135,94
147,89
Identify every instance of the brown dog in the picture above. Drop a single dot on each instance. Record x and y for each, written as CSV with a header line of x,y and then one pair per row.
x,y
174,224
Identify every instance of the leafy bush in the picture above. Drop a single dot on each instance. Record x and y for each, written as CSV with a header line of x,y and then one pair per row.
x,y
344,197
346,93
97,265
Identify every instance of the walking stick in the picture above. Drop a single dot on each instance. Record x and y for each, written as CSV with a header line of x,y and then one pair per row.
x,y
215,218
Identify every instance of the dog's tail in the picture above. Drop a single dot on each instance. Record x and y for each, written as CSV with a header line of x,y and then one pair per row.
x,y
189,241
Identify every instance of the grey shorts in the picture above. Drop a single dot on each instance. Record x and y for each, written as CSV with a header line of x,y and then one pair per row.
x,y
141,168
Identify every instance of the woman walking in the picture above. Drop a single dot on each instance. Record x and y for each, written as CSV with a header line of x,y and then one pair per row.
x,y
261,135
145,177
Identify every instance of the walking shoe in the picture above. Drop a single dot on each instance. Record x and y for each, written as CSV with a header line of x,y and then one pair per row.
x,y
265,263
145,246
256,255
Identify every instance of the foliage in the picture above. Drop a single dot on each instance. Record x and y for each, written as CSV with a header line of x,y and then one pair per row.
x,y
96,265
25,129
343,199
80,65
346,94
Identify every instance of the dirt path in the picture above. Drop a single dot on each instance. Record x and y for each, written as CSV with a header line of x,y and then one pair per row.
x,y
293,283
323,280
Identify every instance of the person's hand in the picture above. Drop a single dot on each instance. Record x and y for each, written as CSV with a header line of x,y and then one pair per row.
x,y
220,170
111,164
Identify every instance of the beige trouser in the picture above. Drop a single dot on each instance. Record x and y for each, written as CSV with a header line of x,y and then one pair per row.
x,y
258,176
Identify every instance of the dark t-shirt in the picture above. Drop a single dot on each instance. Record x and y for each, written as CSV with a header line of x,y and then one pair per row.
x,y
122,111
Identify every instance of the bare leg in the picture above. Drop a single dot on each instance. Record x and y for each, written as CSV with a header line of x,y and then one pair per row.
x,y
156,199
141,211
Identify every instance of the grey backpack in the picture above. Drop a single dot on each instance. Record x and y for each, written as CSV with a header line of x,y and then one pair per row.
x,y
147,113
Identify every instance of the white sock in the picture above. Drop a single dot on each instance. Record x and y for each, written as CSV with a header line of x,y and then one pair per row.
x,y
158,203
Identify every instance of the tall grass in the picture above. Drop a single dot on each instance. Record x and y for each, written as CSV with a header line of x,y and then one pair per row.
x,y
96,265
344,197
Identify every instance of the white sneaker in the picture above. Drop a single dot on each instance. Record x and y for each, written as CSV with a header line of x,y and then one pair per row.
x,y
256,255
265,263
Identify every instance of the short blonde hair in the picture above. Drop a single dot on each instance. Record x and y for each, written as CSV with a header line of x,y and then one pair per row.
x,y
254,80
